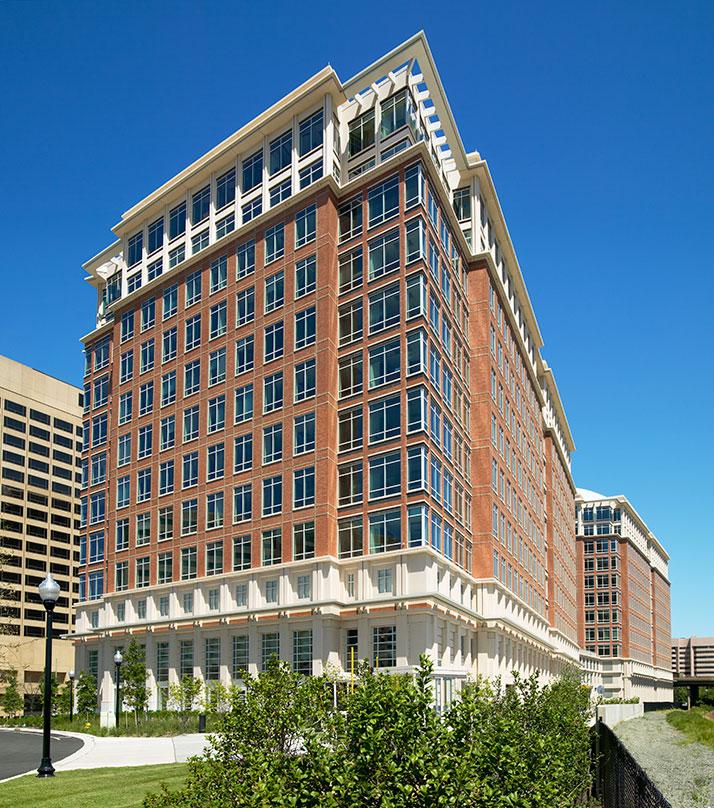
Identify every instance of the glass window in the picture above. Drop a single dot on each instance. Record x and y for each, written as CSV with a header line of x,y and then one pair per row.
x,y
384,308
305,380
243,404
272,443
384,363
177,221
304,487
384,646
241,553
271,547
274,291
216,367
305,276
244,354
192,377
350,480
302,652
305,327
303,541
270,648
190,423
242,503
226,189
385,475
242,453
384,419
350,270
350,218
252,171
350,537
170,301
214,558
215,465
350,322
273,392
273,341
383,201
272,495
216,413
305,226
281,152
361,133
245,259
245,306
135,251
274,242
350,375
304,436
385,531
384,254
350,429
310,133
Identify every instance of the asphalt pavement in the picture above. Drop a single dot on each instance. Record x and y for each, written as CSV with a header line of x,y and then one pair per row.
x,y
21,751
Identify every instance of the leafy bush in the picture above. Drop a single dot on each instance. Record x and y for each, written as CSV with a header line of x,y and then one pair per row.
x,y
617,700
283,744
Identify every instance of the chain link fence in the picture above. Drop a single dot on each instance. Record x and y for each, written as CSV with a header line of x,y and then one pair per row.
x,y
619,781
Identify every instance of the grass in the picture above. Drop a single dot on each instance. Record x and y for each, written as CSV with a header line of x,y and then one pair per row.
x,y
115,788
151,724
694,725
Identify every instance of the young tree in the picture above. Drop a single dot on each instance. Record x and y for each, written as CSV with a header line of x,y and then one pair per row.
x,y
12,701
215,697
63,698
183,695
86,693
134,693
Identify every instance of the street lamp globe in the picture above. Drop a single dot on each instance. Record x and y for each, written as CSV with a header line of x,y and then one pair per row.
x,y
71,676
49,591
118,658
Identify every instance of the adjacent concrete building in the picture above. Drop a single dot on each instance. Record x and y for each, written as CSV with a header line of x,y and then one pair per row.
x,y
316,377
40,433
624,598
693,658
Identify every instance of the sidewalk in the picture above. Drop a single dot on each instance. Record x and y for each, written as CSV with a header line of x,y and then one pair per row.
x,y
99,752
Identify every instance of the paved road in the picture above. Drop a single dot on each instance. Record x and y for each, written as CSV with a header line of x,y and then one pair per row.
x,y
22,751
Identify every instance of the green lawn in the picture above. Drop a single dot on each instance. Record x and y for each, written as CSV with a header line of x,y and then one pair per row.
x,y
92,788
694,725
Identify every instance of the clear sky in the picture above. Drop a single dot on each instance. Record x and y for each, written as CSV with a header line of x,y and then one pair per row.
x,y
596,120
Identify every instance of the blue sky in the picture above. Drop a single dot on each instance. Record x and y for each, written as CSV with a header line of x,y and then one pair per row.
x,y
596,122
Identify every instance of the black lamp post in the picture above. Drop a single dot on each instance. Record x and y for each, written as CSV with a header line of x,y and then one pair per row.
x,y
49,591
118,659
71,696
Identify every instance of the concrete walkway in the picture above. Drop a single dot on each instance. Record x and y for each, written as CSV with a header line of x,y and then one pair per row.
x,y
98,753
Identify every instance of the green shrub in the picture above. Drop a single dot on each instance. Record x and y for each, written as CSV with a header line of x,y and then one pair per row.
x,y
283,744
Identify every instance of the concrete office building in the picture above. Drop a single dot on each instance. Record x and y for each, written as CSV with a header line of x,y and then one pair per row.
x,y
317,377
693,658
40,434
624,598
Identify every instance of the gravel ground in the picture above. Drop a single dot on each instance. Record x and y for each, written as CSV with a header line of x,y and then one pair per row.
x,y
682,770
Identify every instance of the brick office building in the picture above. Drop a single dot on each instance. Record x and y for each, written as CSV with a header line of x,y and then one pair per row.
x,y
328,423
624,598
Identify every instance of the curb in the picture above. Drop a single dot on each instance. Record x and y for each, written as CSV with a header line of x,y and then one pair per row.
x,y
87,741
